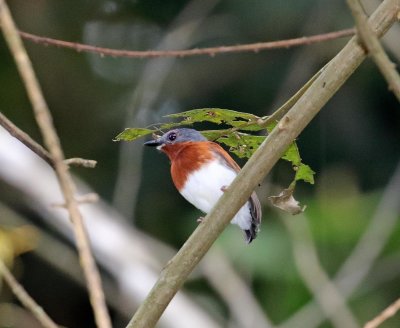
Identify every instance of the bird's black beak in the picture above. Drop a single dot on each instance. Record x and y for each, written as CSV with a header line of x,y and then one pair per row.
x,y
153,143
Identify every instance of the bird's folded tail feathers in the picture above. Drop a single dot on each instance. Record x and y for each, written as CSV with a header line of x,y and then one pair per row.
x,y
255,211
251,234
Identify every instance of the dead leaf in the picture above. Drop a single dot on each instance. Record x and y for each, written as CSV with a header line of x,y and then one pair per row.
x,y
286,202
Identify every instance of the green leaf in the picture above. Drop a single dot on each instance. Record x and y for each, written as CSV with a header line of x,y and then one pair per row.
x,y
216,115
292,154
131,134
213,135
247,126
168,126
242,145
305,173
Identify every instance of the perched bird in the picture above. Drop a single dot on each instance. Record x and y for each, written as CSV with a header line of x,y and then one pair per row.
x,y
201,171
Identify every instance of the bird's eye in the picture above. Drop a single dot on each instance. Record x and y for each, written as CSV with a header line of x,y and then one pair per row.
x,y
172,136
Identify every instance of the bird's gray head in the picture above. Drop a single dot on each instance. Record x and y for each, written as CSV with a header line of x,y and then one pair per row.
x,y
176,136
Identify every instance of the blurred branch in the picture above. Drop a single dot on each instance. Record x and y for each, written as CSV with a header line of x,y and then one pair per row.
x,y
390,311
145,95
299,116
24,297
211,51
52,142
316,279
243,305
76,161
374,47
84,199
131,259
359,262
49,249
304,60
16,132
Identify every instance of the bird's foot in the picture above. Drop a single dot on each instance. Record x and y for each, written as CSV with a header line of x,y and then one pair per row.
x,y
200,219
224,188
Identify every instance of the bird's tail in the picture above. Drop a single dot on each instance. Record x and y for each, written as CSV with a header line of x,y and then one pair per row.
x,y
251,233
255,211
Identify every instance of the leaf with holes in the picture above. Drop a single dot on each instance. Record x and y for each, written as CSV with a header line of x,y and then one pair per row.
x,y
216,115
242,145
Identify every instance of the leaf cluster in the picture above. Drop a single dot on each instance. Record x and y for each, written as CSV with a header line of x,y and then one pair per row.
x,y
238,134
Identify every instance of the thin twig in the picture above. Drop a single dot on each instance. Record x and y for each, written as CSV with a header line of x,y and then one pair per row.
x,y
374,47
211,51
260,164
84,199
17,133
88,163
24,297
22,136
390,311
52,142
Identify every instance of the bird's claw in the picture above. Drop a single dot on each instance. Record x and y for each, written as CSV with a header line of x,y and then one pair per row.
x,y
224,188
200,219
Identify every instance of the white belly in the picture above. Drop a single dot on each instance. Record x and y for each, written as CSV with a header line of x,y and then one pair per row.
x,y
203,189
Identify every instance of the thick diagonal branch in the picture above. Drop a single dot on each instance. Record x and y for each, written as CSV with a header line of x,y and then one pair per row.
x,y
260,164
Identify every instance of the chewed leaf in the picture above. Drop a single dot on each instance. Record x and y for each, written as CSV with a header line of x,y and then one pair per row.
x,y
247,126
292,154
168,126
132,134
242,145
286,202
305,173
215,115
213,135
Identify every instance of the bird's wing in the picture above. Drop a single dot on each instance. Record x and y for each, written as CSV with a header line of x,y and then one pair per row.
x,y
223,156
255,206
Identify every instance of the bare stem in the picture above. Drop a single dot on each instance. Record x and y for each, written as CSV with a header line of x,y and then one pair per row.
x,y
52,142
88,163
22,136
24,297
17,133
260,164
253,47
374,47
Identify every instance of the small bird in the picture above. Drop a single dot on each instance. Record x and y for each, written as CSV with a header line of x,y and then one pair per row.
x,y
201,171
